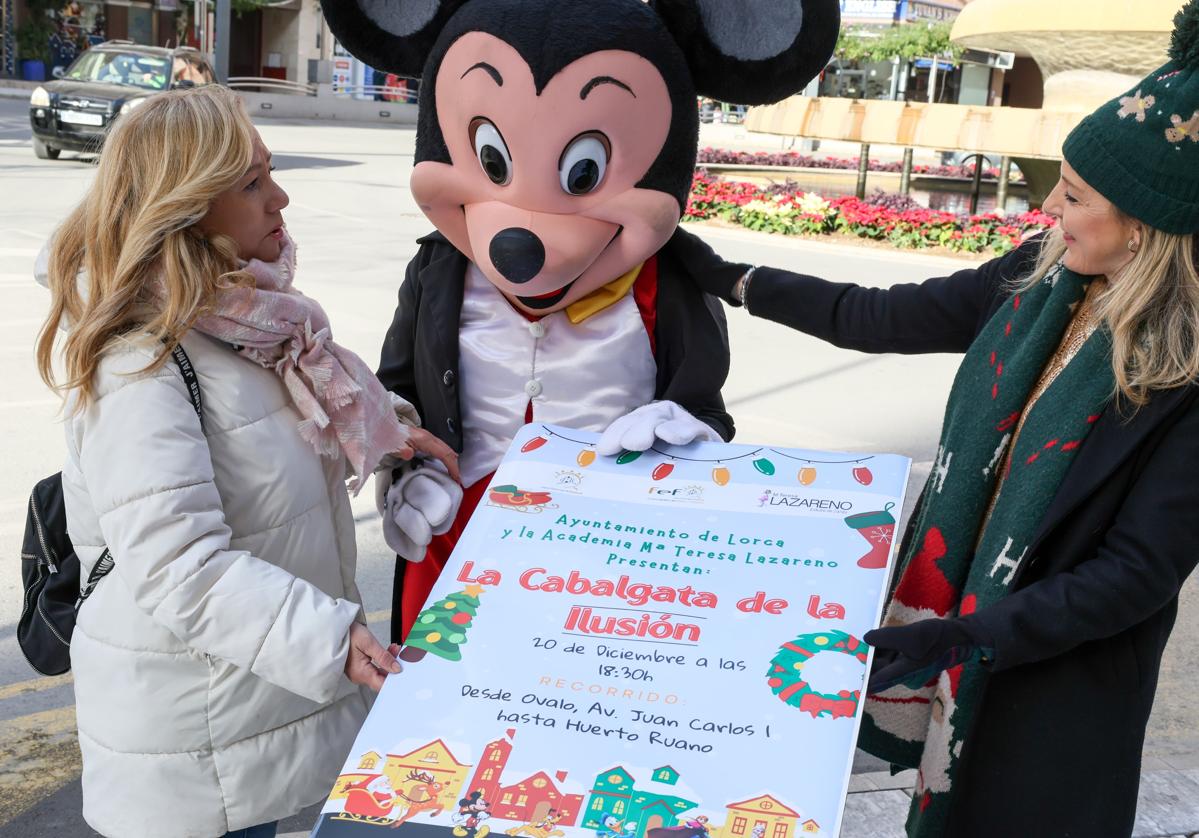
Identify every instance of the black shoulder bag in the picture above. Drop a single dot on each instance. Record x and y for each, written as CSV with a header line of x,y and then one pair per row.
x,y
50,569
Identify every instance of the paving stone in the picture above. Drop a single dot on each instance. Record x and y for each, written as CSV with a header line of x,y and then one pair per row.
x,y
859,783
879,814
1168,803
885,781
1182,762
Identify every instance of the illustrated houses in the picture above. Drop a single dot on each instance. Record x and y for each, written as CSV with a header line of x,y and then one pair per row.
x,y
527,801
652,805
766,817
433,759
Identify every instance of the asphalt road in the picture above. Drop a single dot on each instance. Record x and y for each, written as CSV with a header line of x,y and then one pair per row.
x,y
356,223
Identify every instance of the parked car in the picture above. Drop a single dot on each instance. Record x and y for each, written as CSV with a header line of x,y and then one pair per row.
x,y
109,79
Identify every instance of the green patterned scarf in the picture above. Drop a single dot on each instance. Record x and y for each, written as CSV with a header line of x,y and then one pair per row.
x,y
944,574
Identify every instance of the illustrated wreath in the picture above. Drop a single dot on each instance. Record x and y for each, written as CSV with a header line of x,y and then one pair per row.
x,y
786,679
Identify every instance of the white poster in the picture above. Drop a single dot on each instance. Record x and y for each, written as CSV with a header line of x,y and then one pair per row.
x,y
656,645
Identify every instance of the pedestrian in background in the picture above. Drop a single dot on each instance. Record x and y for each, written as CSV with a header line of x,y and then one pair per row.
x,y
219,668
1021,646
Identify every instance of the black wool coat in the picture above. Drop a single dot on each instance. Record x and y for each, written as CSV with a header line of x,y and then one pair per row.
x,y
1056,745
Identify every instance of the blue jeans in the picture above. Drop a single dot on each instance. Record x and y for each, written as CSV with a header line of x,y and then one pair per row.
x,y
263,830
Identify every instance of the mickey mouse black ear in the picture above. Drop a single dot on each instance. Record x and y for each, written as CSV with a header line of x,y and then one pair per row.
x,y
392,35
752,52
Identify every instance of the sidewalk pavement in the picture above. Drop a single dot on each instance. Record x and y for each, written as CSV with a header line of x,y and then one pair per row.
x,y
16,89
878,802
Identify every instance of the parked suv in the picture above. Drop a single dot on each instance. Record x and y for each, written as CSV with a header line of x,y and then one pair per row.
x,y
104,82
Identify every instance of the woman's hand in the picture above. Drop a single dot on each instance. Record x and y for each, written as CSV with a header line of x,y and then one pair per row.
x,y
421,441
922,650
368,663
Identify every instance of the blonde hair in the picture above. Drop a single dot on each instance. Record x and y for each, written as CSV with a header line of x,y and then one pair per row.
x,y
1151,310
161,167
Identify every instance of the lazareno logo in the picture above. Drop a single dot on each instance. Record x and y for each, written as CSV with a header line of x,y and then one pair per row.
x,y
693,493
770,497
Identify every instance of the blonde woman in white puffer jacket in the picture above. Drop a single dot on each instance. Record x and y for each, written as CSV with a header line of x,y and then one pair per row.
x,y
220,667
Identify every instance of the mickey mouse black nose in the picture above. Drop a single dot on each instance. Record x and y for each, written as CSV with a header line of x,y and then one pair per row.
x,y
517,254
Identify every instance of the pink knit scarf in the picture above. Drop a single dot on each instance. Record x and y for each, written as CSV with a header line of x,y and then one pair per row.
x,y
343,405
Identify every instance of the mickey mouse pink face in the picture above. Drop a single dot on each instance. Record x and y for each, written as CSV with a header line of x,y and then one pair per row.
x,y
541,189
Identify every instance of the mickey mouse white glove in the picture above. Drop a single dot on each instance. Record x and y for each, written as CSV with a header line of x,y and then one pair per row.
x,y
637,431
420,504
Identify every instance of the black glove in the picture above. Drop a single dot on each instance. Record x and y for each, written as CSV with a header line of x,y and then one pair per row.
x,y
916,653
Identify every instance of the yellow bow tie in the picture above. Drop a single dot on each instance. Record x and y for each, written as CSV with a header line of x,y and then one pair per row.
x,y
602,297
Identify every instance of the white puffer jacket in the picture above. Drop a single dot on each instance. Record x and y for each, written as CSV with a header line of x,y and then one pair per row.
x,y
208,664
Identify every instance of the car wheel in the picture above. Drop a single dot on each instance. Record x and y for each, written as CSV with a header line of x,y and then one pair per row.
x,y
45,152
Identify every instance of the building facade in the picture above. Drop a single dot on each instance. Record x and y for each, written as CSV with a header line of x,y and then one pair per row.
x,y
529,800
638,806
905,80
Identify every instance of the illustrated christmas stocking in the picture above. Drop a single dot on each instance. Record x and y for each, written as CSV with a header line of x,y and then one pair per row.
x,y
878,528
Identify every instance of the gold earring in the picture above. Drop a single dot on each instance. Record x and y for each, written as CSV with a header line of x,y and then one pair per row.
x,y
1133,246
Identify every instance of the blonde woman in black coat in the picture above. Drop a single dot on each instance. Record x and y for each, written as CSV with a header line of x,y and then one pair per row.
x,y
1040,574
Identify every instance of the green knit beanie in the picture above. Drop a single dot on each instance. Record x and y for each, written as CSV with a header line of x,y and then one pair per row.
x,y
1141,150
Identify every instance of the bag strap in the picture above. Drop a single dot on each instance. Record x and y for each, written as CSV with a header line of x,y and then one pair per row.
x,y
189,378
100,569
105,563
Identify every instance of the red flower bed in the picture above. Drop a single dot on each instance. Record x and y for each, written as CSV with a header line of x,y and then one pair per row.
x,y
788,210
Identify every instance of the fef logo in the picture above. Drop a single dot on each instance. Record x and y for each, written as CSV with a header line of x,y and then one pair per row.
x,y
692,493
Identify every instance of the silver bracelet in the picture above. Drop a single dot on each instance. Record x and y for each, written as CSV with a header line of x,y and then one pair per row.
x,y
743,294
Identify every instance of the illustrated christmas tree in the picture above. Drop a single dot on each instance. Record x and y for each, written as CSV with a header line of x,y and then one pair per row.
x,y
441,628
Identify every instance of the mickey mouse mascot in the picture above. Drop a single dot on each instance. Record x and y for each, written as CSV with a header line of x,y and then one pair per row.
x,y
555,149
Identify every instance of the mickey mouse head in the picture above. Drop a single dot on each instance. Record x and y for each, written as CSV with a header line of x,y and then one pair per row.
x,y
556,139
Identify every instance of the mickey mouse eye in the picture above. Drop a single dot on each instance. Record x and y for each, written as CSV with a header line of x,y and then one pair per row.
x,y
492,152
582,166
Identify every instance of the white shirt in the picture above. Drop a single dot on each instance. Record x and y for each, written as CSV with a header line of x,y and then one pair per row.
x,y
581,375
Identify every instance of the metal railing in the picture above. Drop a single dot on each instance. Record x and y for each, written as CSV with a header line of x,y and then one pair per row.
x,y
391,94
394,95
264,85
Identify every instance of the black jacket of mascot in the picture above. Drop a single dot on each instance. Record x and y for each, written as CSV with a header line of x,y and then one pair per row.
x,y
555,150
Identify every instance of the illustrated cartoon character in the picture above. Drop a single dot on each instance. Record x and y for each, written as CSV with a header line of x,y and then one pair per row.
x,y
543,828
555,151
611,827
472,811
696,827
422,797
371,799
